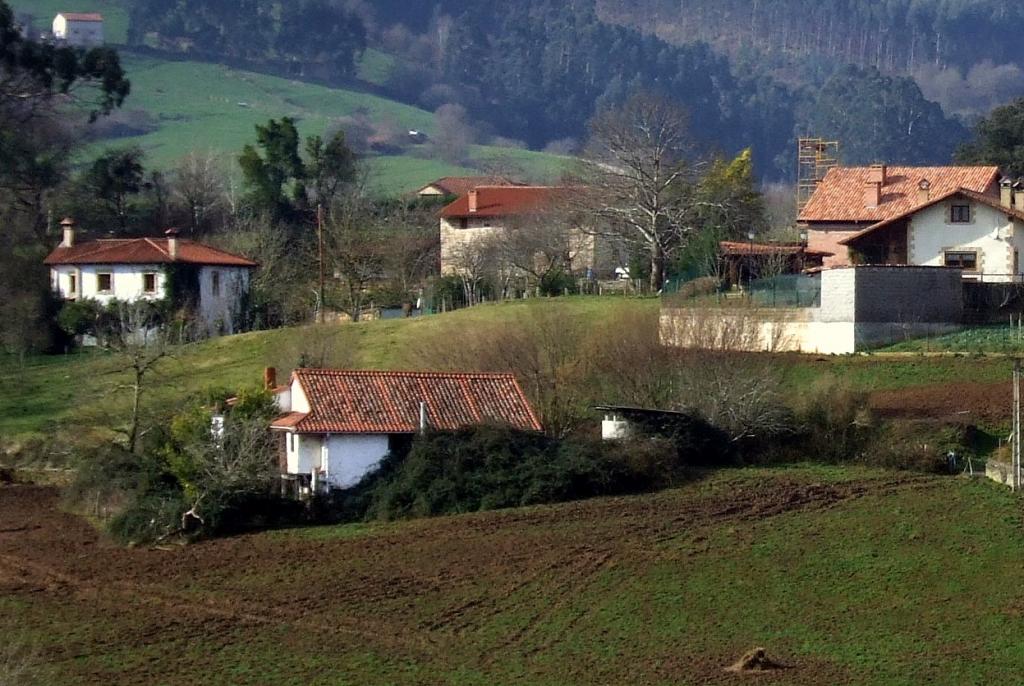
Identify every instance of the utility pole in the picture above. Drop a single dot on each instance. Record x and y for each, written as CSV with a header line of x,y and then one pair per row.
x,y
1015,480
320,252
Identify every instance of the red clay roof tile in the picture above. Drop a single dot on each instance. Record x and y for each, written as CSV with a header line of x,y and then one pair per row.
x,y
504,201
383,402
144,251
840,195
82,16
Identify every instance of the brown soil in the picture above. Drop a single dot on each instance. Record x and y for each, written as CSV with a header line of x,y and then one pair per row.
x,y
969,403
423,593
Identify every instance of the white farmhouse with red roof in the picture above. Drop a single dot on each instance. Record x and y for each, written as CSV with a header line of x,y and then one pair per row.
x,y
79,29
963,217
338,425
130,269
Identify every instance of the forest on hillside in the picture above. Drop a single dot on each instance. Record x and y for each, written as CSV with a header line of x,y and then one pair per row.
x,y
899,81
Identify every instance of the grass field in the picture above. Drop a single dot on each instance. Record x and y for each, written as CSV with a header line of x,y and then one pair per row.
x,y
78,392
846,576
1002,339
210,107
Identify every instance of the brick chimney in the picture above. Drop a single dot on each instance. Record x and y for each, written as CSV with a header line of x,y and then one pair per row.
x,y
924,191
473,200
68,226
172,243
1006,193
877,174
269,378
872,194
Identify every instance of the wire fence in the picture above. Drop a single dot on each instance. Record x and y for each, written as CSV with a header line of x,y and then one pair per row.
x,y
785,290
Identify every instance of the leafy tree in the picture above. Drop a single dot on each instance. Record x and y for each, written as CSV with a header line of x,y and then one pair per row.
x,y
268,175
998,140
881,118
114,178
281,183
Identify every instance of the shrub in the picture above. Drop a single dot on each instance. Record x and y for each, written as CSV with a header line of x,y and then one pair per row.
x,y
486,468
835,423
920,446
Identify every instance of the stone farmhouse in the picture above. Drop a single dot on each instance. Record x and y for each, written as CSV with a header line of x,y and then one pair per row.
x,y
336,425
130,269
80,30
491,212
961,217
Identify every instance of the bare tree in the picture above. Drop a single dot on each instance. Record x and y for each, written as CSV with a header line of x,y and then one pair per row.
x,y
229,464
355,248
544,242
639,176
454,134
199,188
136,336
473,261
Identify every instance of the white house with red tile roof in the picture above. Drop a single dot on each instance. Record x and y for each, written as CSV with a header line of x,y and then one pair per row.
x,y
79,29
962,217
130,269
338,425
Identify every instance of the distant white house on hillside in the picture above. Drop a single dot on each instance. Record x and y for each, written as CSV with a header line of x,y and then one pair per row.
x,y
79,29
131,269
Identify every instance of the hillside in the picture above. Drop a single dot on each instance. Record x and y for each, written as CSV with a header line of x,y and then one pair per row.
x,y
846,576
201,106
48,400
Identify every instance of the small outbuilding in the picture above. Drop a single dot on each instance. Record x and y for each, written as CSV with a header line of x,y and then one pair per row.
x,y
79,29
337,425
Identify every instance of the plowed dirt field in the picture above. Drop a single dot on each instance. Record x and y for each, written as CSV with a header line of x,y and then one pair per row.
x,y
669,588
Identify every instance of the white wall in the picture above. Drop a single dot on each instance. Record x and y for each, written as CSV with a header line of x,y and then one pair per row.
x,y
990,232
218,312
304,452
348,457
299,400
351,457
127,281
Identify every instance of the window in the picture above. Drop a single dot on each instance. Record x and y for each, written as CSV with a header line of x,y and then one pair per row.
x,y
105,282
962,259
960,214
215,283
149,282
72,285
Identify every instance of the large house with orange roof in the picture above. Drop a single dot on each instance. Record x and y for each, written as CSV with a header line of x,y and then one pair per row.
x,y
131,269
964,217
337,425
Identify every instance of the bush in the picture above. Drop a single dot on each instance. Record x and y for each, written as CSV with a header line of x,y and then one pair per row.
x,y
919,446
835,423
487,468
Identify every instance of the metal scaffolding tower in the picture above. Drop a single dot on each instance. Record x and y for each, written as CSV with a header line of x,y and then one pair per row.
x,y
815,157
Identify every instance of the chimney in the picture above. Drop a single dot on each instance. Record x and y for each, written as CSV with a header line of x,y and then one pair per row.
x,y
877,174
1006,192
872,194
68,225
269,378
473,201
924,191
172,243
423,417
1018,195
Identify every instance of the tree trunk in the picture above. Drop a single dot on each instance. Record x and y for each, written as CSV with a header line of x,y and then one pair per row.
x,y
657,267
133,430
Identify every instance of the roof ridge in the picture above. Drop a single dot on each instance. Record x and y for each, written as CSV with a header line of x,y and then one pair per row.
x,y
400,373
152,241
